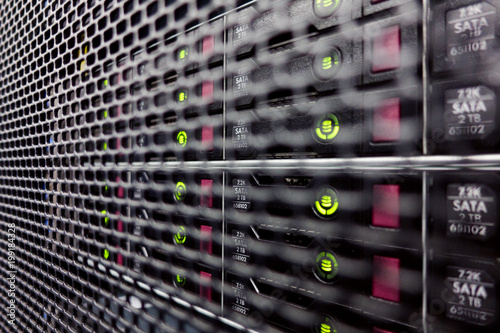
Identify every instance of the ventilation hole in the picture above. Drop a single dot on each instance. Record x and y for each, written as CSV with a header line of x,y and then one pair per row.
x,y
181,12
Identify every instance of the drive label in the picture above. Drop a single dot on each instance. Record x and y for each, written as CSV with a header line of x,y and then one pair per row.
x,y
241,134
471,211
470,29
240,33
241,84
240,299
242,199
241,252
473,295
469,113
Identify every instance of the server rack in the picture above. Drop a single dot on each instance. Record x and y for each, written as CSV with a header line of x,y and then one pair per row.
x,y
249,166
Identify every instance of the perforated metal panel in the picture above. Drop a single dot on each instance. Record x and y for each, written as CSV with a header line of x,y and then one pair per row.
x,y
249,166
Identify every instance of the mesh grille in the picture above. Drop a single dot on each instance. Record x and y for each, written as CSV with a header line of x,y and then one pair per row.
x,y
249,166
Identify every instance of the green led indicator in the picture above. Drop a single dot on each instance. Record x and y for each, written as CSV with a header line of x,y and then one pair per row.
x,y
105,83
180,279
182,96
180,237
105,146
105,114
326,203
183,53
106,219
326,3
182,138
327,62
326,267
106,253
327,128
325,8
325,324
180,191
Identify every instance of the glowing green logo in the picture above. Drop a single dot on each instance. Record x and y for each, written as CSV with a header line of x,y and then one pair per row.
x,y
106,253
324,3
106,219
180,191
326,203
183,53
180,237
327,128
182,96
182,138
326,267
326,7
327,62
325,324
180,279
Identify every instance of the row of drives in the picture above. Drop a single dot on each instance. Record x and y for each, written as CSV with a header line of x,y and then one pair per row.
x,y
322,91
315,251
321,251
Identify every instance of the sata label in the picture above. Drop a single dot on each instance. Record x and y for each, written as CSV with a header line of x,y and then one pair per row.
x,y
470,29
240,247
469,113
240,33
473,293
241,134
241,84
240,299
471,211
242,196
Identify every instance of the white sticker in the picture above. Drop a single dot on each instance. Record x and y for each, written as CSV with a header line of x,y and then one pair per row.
x,y
473,293
469,113
471,211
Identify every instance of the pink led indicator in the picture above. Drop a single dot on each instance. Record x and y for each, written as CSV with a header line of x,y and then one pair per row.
x,y
387,121
120,193
386,50
119,259
207,138
385,280
385,206
208,45
206,194
206,285
206,239
207,91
